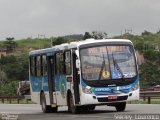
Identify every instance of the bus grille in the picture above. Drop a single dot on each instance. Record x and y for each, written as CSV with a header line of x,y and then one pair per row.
x,y
105,99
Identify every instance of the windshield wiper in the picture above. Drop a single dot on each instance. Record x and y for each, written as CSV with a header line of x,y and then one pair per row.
x,y
117,66
102,66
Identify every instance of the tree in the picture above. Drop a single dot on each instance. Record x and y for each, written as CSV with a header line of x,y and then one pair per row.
x,y
9,89
139,45
149,74
146,33
99,35
87,35
3,78
152,55
10,44
95,35
15,67
58,41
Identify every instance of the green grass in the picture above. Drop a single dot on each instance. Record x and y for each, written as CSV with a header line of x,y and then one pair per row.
x,y
34,43
25,45
153,101
31,43
16,102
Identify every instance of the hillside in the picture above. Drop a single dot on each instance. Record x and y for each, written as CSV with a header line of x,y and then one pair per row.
x,y
26,45
148,45
14,65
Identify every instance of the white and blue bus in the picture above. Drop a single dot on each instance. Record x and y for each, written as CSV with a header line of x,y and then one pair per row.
x,y
84,74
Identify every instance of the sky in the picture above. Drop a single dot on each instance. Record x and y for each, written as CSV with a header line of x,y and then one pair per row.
x,y
28,18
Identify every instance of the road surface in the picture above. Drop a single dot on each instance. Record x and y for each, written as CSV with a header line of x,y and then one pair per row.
x,y
33,112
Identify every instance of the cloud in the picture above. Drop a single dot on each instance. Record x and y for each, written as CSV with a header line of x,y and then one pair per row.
x,y
24,18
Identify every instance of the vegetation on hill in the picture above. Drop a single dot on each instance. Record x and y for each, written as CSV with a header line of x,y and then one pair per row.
x,y
148,44
74,36
14,66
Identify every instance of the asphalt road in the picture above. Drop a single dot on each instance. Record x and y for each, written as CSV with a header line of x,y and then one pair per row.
x,y
33,112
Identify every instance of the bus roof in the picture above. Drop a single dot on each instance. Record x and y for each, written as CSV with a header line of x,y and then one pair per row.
x,y
42,51
77,44
89,41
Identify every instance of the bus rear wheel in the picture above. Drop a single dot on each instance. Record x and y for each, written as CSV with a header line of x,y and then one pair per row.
x,y
120,107
47,108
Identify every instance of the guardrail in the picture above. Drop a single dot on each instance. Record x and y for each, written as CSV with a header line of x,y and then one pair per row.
x,y
143,95
149,95
10,99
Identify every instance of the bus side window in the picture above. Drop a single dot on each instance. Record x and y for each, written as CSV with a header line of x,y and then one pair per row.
x,y
32,66
41,66
44,66
68,62
38,66
35,66
59,63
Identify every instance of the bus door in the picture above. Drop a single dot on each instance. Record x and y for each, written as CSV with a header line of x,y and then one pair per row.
x,y
60,79
51,82
76,79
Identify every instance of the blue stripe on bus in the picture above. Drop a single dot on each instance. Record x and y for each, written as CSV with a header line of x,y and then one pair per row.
x,y
111,90
41,83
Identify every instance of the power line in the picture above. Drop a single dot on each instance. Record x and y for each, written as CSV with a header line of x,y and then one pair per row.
x,y
128,31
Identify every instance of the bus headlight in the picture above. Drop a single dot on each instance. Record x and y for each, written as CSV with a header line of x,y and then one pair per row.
x,y
135,87
86,90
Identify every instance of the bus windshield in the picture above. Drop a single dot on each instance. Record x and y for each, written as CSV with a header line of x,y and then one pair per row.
x,y
108,62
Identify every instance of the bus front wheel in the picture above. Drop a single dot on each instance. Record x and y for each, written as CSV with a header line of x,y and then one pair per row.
x,y
120,106
74,109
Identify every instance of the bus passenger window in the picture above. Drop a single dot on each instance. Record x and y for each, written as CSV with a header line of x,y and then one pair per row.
x,y
68,62
41,66
32,66
38,66
52,65
59,63
44,66
35,66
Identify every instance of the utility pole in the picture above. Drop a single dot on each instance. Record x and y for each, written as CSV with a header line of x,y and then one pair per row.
x,y
128,31
41,36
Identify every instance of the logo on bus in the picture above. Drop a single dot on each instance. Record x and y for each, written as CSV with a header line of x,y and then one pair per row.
x,y
105,74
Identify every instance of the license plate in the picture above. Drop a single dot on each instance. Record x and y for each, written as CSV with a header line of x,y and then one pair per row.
x,y
112,97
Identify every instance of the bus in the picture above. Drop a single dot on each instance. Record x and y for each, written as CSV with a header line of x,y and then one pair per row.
x,y
84,74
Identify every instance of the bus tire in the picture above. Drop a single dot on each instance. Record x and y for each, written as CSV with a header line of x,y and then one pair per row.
x,y
46,108
120,107
68,100
74,109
